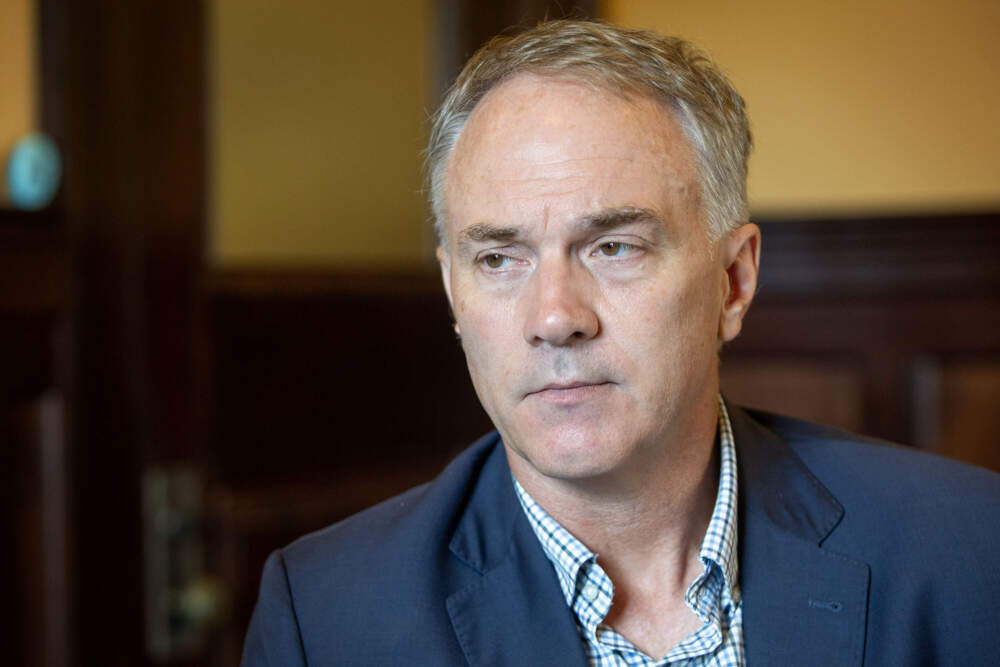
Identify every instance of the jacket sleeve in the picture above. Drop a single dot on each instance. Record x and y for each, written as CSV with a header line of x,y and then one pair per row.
x,y
273,638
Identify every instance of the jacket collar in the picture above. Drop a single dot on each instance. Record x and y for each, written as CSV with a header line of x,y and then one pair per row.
x,y
801,603
515,612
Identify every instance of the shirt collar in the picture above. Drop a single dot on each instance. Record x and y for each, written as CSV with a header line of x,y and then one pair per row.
x,y
718,548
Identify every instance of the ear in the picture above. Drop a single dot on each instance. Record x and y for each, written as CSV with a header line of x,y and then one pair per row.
x,y
444,261
741,258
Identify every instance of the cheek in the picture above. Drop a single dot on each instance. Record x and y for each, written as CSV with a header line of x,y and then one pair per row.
x,y
485,327
670,326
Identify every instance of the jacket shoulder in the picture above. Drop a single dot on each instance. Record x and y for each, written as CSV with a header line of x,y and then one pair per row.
x,y
900,505
850,464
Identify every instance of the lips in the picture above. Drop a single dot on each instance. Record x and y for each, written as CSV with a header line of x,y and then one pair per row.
x,y
569,392
560,386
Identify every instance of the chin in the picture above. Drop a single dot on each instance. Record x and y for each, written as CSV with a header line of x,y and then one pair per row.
x,y
569,456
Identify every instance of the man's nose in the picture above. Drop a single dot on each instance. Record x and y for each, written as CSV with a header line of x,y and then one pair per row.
x,y
559,307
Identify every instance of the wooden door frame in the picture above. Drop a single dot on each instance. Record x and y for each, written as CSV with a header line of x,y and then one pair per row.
x,y
122,92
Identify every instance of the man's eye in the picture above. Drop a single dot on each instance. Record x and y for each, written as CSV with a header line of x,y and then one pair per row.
x,y
495,260
615,248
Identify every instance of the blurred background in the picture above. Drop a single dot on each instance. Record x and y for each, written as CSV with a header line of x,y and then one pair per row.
x,y
222,326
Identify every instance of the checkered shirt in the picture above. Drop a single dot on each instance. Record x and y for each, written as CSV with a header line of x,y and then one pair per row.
x,y
714,595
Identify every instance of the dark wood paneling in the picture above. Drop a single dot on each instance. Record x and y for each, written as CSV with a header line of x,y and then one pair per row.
x,y
888,257
954,403
885,335
34,256
373,374
23,589
34,304
825,390
879,295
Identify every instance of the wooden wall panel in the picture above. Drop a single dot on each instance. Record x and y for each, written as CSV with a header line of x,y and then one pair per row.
x,y
319,373
34,303
955,408
23,599
878,295
820,390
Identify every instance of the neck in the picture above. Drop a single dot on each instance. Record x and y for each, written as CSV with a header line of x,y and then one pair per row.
x,y
649,516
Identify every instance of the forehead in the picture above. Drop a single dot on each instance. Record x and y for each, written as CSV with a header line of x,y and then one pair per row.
x,y
569,147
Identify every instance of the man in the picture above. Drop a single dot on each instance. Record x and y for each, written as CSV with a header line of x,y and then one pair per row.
x,y
588,184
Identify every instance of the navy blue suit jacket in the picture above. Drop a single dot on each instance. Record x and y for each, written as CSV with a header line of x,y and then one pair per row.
x,y
851,552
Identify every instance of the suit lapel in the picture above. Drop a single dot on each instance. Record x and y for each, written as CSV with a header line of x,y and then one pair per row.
x,y
514,612
801,604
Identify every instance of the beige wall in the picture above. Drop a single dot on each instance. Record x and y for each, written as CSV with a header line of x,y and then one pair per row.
x,y
318,115
17,76
317,120
858,105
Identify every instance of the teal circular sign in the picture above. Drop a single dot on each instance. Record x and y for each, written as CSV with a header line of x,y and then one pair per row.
x,y
34,170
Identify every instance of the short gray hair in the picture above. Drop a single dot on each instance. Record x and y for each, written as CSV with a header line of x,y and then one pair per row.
x,y
704,102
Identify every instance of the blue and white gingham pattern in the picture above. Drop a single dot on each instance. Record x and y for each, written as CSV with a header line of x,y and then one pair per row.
x,y
714,596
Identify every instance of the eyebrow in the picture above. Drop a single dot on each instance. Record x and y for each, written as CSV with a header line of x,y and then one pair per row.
x,y
618,217
487,232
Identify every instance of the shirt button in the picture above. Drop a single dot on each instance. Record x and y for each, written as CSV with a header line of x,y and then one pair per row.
x,y
590,592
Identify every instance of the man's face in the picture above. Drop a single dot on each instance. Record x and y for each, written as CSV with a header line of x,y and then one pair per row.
x,y
589,300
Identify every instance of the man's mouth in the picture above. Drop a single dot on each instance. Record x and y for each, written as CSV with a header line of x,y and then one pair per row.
x,y
565,393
